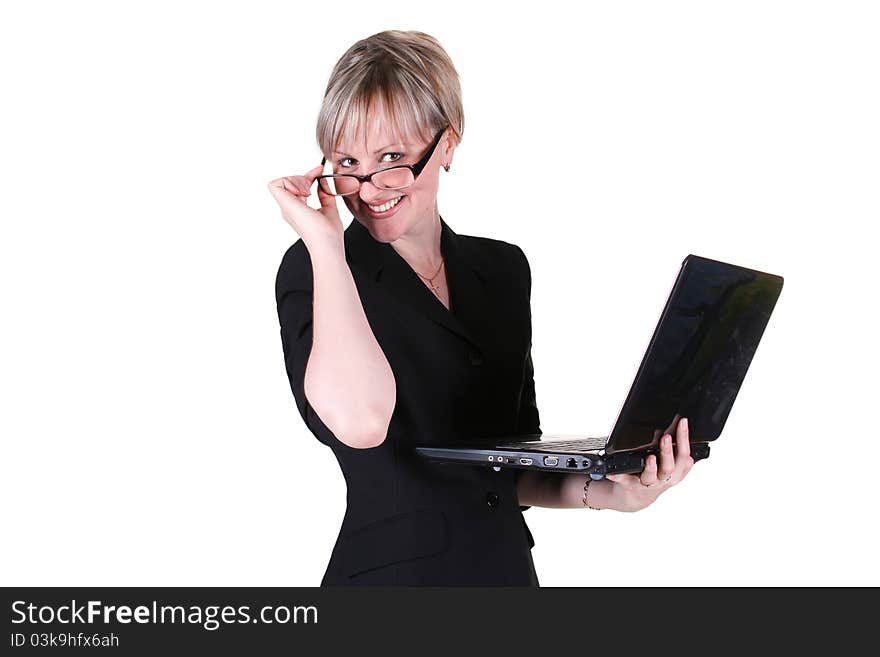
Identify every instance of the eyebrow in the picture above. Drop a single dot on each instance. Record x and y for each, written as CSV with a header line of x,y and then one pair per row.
x,y
397,143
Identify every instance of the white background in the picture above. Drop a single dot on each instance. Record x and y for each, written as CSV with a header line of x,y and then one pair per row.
x,y
149,433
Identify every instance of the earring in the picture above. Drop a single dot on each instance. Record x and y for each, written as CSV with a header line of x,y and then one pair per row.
x,y
446,166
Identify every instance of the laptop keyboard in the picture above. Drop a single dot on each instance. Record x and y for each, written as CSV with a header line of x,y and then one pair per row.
x,y
578,446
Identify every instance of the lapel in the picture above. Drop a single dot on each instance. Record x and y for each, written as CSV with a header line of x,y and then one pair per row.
x,y
466,273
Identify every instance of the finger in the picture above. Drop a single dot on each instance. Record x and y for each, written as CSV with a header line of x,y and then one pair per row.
x,y
327,200
296,185
683,439
649,474
667,458
314,173
277,184
281,194
626,480
672,424
282,187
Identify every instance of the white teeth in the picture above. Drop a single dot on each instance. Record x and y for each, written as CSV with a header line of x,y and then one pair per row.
x,y
385,206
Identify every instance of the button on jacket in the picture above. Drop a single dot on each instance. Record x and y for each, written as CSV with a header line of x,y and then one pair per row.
x,y
464,373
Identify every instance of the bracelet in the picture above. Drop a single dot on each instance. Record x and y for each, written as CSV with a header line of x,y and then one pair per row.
x,y
586,490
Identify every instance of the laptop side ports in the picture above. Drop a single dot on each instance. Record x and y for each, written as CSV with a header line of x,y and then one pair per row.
x,y
552,461
525,461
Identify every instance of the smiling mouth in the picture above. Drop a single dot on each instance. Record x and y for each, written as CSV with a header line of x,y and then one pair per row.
x,y
385,206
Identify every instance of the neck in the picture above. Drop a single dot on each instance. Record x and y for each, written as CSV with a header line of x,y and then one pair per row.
x,y
420,246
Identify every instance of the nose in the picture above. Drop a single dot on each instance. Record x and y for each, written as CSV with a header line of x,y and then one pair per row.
x,y
372,195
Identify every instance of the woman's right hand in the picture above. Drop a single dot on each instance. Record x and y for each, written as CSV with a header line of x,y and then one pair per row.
x,y
313,226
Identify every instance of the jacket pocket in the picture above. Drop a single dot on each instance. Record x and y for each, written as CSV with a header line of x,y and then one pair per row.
x,y
397,538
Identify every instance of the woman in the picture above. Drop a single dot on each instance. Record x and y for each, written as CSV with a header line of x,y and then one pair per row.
x,y
398,331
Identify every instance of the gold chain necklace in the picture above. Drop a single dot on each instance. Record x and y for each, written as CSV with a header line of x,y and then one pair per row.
x,y
430,280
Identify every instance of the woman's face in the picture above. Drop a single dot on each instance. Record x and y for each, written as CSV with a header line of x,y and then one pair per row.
x,y
416,209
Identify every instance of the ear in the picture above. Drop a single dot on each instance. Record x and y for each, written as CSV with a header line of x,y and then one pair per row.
x,y
448,142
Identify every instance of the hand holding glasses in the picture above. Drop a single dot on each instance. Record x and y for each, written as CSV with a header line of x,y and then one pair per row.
x,y
315,227
396,177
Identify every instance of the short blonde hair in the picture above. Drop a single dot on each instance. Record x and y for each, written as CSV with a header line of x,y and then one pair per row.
x,y
406,75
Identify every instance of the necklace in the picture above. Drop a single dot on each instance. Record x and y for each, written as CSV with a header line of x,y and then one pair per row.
x,y
430,280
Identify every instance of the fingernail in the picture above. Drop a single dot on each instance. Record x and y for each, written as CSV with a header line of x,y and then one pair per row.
x,y
685,420
667,439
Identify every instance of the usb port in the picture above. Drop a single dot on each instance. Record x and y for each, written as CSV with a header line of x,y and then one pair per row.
x,y
551,460
525,461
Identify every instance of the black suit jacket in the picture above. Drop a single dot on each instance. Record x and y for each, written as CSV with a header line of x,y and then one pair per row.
x,y
464,373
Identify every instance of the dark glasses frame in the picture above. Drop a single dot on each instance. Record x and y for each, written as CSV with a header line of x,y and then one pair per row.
x,y
415,168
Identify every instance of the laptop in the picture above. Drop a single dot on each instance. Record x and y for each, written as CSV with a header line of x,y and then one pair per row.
x,y
694,366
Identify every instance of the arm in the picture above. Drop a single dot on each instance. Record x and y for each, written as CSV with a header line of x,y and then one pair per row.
x,y
348,380
339,375
528,423
528,420
618,492
562,491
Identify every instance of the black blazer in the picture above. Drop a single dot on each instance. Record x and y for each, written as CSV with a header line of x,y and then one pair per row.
x,y
460,374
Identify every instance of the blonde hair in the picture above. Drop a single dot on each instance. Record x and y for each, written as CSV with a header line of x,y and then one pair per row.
x,y
406,75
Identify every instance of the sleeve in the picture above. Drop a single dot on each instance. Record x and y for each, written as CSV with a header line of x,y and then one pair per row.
x,y
528,419
293,296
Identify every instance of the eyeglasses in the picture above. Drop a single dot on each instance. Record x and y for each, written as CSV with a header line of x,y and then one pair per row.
x,y
398,177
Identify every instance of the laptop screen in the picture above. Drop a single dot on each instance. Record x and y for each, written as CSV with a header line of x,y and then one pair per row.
x,y
698,357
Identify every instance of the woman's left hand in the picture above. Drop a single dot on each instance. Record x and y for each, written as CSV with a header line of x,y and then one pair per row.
x,y
635,492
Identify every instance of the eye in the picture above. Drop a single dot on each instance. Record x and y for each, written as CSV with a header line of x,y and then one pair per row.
x,y
349,162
